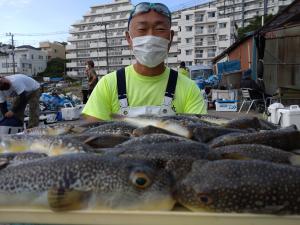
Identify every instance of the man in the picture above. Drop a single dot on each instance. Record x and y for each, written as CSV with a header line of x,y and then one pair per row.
x,y
183,70
148,86
24,90
90,81
247,82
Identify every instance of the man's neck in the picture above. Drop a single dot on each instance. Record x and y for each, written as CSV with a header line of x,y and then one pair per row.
x,y
146,71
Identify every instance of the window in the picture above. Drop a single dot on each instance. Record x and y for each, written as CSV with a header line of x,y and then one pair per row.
x,y
211,14
211,52
189,28
188,40
199,53
199,41
32,56
211,28
199,17
222,37
41,57
211,40
222,25
189,52
188,17
199,30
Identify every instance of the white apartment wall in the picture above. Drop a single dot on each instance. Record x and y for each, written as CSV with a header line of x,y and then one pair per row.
x,y
27,61
88,39
203,39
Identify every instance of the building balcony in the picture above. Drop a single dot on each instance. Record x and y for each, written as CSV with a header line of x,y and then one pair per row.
x,y
199,55
211,31
172,60
100,63
71,56
126,62
70,47
174,48
71,65
98,45
126,52
209,43
72,73
72,38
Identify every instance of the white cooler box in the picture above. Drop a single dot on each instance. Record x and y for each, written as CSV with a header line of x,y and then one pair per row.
x,y
10,130
226,106
71,113
289,116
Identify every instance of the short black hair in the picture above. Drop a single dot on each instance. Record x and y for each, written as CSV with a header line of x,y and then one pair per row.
x,y
182,64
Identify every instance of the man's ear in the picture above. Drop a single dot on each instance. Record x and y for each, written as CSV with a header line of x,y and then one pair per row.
x,y
129,41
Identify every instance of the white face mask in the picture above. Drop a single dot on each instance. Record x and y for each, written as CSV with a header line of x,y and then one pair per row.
x,y
87,66
150,50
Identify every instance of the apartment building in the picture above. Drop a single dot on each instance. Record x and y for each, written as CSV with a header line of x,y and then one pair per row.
x,y
28,60
100,36
202,35
53,49
242,11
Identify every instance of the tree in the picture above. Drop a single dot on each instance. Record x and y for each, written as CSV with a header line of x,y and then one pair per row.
x,y
55,68
254,24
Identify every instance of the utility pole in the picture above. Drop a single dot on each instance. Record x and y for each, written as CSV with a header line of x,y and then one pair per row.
x,y
106,46
265,12
106,43
13,51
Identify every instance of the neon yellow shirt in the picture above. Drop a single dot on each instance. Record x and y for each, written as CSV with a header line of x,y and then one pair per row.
x,y
184,72
143,91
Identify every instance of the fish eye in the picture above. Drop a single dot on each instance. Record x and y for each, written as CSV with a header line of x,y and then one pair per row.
x,y
205,199
140,180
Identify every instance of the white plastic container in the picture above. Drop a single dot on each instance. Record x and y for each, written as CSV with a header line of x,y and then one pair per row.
x,y
10,130
290,116
71,113
273,110
226,106
224,94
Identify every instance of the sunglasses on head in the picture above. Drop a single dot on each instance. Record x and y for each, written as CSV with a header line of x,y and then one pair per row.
x,y
145,7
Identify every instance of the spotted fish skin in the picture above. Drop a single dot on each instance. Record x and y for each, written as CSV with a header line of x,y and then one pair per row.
x,y
53,130
51,145
285,139
113,183
206,134
154,138
117,127
176,158
255,151
241,186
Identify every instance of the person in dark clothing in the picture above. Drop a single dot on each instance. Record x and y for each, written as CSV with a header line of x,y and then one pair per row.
x,y
248,82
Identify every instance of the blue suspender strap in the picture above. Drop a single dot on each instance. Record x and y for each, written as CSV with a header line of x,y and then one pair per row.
x,y
171,86
121,85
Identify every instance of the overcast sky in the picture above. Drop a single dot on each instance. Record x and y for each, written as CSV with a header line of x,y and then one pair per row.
x,y
40,17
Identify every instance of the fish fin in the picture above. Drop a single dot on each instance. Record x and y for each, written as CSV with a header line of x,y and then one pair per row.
x,y
3,163
234,155
297,151
295,160
115,116
78,130
89,140
65,199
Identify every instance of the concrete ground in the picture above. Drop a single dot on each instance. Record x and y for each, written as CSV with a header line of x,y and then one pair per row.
x,y
232,115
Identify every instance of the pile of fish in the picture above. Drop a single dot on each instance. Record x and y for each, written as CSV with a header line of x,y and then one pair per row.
x,y
202,163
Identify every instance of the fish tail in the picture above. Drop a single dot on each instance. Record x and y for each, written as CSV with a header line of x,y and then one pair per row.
x,y
295,160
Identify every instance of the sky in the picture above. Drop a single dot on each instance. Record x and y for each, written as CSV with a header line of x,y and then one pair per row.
x,y
32,21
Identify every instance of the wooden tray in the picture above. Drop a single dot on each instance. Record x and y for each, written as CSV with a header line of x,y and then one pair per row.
x,y
40,216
